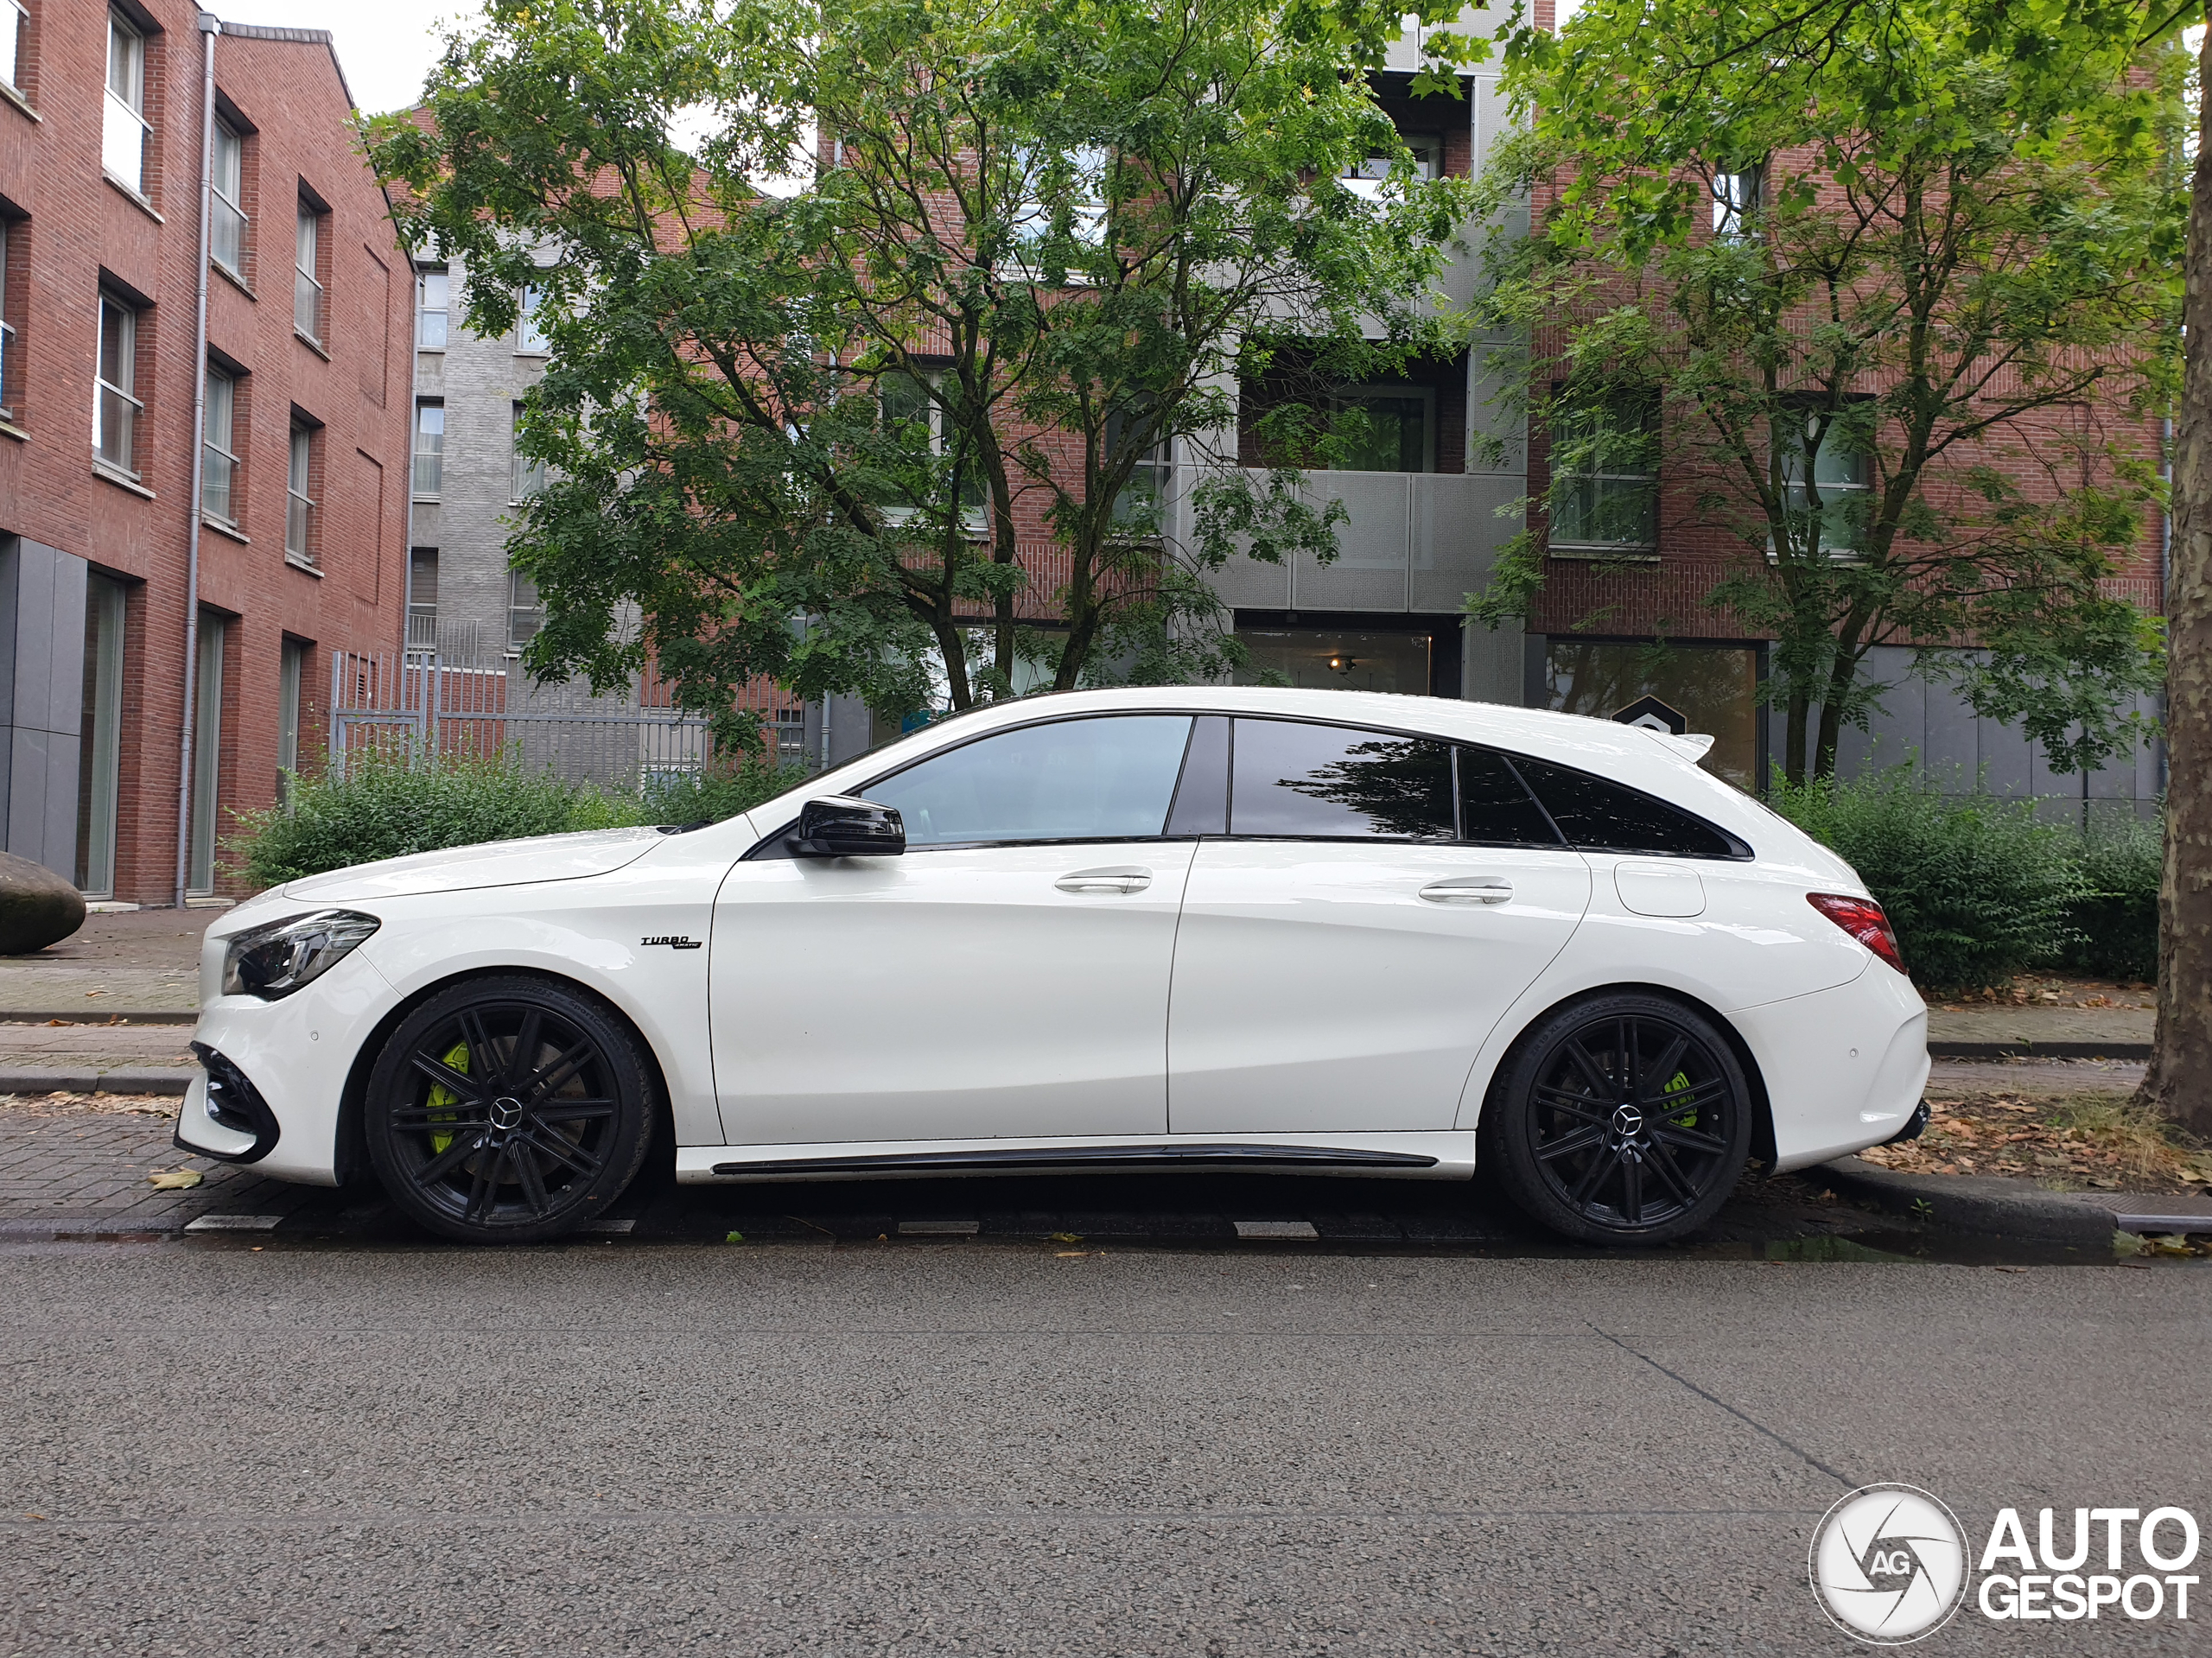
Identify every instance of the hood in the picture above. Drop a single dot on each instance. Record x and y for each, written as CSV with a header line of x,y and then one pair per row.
x,y
495,863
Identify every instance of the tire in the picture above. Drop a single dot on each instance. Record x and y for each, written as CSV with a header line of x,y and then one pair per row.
x,y
508,1110
1621,1120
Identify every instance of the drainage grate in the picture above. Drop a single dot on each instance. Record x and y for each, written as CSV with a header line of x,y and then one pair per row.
x,y
233,1224
938,1228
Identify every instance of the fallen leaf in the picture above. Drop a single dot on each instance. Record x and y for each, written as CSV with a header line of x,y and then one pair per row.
x,y
735,1237
174,1179
1071,1254
1067,1237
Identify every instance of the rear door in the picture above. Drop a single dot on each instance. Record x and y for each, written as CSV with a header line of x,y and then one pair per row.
x,y
1375,905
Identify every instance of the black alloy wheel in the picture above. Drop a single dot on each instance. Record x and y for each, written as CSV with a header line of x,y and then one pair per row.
x,y
1621,1120
508,1110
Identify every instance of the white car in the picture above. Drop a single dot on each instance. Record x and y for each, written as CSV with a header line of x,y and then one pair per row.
x,y
1324,932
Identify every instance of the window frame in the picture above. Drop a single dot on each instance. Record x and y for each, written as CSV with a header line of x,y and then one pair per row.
x,y
306,283
299,497
975,518
8,347
11,56
525,477
103,387
226,449
415,491
120,27
1649,481
1835,492
530,338
1738,195
517,580
232,202
424,311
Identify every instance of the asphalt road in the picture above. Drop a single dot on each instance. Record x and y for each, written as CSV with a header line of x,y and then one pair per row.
x,y
982,1447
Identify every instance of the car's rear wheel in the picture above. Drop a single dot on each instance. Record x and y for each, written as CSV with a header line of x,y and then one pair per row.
x,y
508,1110
1622,1120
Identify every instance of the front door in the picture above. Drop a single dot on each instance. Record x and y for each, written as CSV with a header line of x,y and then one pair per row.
x,y
1006,976
1347,946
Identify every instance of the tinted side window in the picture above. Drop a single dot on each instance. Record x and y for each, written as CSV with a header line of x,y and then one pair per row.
x,y
1495,807
1108,779
1597,816
1289,778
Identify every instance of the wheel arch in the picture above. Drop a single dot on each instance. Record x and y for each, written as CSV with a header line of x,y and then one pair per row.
x,y
350,1154
1762,1141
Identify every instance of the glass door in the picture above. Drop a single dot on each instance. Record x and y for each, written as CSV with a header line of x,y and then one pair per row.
x,y
101,740
207,751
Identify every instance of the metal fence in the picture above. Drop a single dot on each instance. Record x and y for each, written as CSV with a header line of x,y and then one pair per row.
x,y
435,704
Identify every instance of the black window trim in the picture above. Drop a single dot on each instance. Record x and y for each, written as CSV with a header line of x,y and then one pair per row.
x,y
774,845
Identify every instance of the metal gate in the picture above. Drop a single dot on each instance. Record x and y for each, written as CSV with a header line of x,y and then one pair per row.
x,y
435,705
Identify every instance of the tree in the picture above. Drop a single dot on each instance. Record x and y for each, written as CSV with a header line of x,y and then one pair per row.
x,y
906,420
1891,287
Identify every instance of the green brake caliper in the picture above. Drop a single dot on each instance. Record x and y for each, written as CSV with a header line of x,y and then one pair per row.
x,y
443,1100
1680,1084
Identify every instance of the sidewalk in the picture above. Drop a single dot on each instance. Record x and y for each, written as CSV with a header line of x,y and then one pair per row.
x,y
139,964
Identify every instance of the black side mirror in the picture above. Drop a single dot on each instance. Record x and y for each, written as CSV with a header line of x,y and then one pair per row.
x,y
842,826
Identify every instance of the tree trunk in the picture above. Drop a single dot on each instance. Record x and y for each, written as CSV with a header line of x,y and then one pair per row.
x,y
1793,759
2179,1082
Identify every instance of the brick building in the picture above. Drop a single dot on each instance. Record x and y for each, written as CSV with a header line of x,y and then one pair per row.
x,y
143,573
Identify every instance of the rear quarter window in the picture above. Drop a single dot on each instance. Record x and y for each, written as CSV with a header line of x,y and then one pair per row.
x,y
1596,815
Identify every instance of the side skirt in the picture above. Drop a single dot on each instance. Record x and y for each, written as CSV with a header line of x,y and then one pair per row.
x,y
1446,1155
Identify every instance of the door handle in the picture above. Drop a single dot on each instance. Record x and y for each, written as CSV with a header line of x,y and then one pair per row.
x,y
1105,881
1469,889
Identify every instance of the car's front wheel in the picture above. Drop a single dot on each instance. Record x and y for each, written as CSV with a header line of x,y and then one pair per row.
x,y
508,1110
1622,1120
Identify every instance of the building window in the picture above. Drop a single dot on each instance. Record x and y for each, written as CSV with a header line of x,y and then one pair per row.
x,y
1338,659
423,599
15,28
524,614
10,368
206,755
1736,198
1841,483
122,131
430,449
221,487
529,477
115,414
1138,509
306,290
1398,434
291,670
98,756
1707,689
299,507
226,232
430,291
1605,489
912,415
530,338
1368,179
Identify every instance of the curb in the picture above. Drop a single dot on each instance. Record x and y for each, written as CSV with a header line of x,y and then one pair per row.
x,y
126,1015
1999,1206
2024,1050
86,1079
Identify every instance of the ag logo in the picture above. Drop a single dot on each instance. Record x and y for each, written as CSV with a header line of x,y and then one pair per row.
x,y
1889,1565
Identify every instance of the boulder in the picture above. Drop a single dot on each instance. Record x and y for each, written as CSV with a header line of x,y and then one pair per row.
x,y
37,907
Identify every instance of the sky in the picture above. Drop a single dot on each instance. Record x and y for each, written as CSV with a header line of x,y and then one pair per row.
x,y
386,47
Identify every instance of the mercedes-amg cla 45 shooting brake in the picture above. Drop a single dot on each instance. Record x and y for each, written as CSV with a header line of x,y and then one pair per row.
x,y
1312,931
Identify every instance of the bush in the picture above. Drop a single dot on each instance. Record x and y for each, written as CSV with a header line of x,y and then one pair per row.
x,y
720,791
2117,918
1977,889
385,807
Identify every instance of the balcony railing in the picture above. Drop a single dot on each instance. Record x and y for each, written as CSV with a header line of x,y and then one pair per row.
x,y
1412,541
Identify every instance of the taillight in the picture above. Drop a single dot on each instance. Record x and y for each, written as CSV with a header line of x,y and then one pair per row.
x,y
1863,920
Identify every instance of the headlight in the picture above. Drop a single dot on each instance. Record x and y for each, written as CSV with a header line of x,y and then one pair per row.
x,y
275,960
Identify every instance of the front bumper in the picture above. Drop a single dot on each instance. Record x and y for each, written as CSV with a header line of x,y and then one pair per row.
x,y
295,1056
